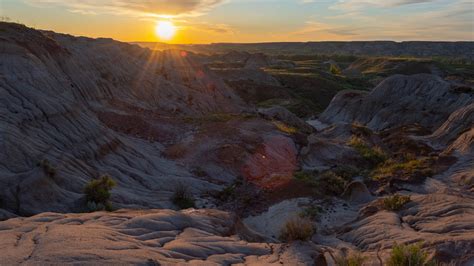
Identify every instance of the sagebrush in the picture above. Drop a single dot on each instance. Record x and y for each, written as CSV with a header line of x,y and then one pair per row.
x,y
297,228
98,193
409,255
395,202
182,197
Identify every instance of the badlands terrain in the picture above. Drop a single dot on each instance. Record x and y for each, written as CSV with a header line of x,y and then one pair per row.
x,y
462,50
239,157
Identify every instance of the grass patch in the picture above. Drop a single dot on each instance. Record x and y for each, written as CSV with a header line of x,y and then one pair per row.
x,y
285,128
373,155
304,176
297,229
182,197
412,255
347,172
395,202
358,83
311,88
328,182
411,167
355,259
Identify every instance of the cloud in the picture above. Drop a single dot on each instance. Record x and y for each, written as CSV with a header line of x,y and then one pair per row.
x,y
208,27
140,8
351,5
397,2
316,30
386,3
447,21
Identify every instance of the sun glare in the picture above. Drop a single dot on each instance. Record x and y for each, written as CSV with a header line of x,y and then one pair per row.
x,y
165,30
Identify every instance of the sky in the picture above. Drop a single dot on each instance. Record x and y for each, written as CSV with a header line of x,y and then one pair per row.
x,y
210,21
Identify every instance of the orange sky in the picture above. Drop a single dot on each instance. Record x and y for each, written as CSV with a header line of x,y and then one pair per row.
x,y
206,21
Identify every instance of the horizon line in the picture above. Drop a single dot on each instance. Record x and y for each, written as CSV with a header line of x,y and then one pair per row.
x,y
294,42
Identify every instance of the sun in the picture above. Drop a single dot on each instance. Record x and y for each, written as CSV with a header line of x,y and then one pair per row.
x,y
165,30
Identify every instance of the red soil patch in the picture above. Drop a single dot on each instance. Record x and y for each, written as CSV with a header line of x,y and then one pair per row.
x,y
273,164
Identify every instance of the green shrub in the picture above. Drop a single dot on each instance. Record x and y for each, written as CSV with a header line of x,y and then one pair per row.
x,y
355,259
395,202
327,182
347,172
335,70
332,183
98,193
375,156
409,255
297,229
182,197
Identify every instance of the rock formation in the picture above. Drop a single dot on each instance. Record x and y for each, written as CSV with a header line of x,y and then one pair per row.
x,y
399,100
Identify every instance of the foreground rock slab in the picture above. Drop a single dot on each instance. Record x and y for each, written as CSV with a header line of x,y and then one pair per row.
x,y
156,237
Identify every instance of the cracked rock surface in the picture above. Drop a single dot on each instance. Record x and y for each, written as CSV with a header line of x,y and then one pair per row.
x,y
191,237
